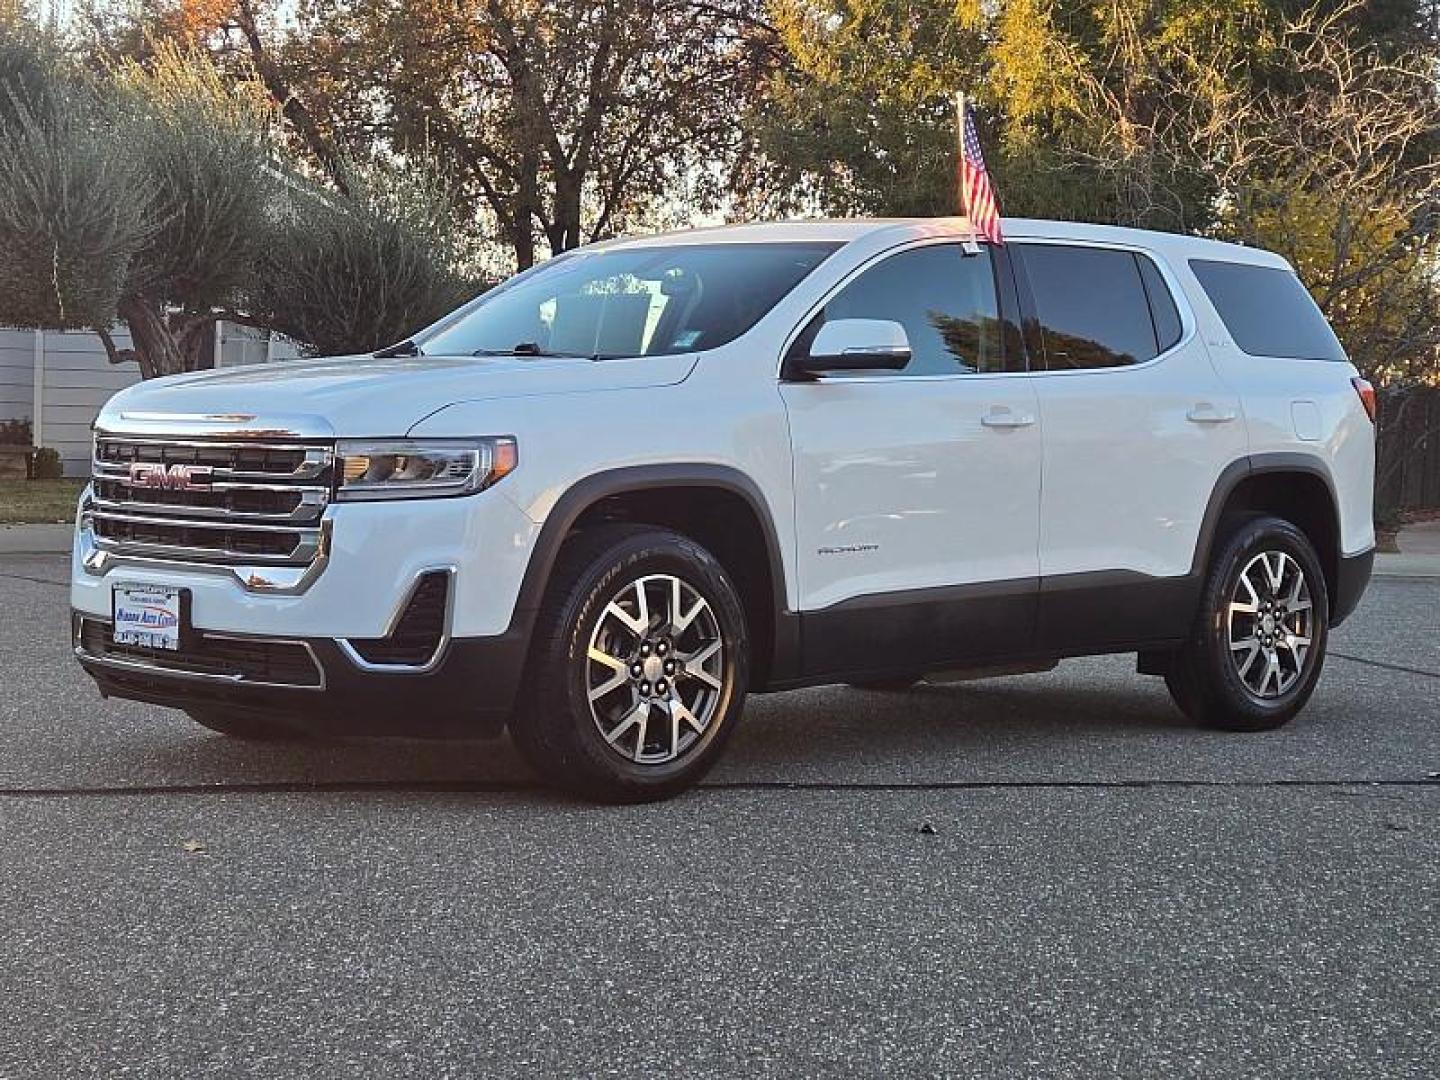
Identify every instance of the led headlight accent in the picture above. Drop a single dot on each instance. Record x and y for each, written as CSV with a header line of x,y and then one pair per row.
x,y
421,468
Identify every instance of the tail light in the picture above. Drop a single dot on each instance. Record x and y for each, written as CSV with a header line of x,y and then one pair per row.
x,y
1367,396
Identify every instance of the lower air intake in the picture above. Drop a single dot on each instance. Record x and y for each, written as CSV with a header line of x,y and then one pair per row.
x,y
421,630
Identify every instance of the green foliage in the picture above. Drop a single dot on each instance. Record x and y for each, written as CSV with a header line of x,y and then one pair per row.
x,y
73,206
862,117
204,148
157,193
354,272
1304,126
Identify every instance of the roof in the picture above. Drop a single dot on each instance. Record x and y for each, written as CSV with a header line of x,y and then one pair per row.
x,y
845,230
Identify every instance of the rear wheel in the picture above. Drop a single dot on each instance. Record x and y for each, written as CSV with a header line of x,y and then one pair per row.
x,y
638,667
244,725
1258,645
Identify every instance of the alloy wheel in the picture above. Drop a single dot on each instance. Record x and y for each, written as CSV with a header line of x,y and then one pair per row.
x,y
1270,624
655,669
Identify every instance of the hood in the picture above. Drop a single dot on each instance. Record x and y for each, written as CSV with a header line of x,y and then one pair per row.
x,y
369,396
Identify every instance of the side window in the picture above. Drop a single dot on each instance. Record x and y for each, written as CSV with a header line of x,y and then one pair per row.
x,y
1267,311
1091,304
1162,304
944,299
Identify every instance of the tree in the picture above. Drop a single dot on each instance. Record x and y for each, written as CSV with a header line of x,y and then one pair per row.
x,y
1334,163
155,192
389,236
73,212
559,121
860,117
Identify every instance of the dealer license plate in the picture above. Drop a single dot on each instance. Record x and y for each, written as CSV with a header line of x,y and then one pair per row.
x,y
148,615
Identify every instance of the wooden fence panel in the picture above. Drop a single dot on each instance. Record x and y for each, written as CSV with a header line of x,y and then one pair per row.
x,y
1408,451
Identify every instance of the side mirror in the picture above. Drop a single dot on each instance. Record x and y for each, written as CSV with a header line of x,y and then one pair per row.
x,y
857,345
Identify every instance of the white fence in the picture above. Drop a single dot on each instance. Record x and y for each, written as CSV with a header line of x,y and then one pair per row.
x,y
59,380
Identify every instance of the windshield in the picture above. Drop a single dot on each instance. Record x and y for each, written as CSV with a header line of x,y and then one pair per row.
x,y
632,302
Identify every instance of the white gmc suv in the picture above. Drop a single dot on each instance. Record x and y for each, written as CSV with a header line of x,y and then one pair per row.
x,y
611,496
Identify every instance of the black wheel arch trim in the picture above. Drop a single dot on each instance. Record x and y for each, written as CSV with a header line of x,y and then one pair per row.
x,y
585,493
1242,469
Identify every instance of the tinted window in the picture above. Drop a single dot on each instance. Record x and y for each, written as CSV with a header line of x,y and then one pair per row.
x,y
633,301
1267,311
944,299
1092,306
1162,304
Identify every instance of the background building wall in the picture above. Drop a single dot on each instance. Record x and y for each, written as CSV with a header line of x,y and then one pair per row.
x,y
64,378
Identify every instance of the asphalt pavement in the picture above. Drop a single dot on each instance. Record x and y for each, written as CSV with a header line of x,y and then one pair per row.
x,y
1051,875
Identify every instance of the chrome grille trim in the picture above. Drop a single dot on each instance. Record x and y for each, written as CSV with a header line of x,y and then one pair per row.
x,y
253,503
314,464
312,503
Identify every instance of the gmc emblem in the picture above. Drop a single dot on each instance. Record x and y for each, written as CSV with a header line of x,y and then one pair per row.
x,y
151,474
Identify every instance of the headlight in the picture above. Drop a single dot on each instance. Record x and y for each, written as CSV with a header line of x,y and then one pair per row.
x,y
420,468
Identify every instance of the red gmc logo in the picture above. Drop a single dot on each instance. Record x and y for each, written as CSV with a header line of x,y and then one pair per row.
x,y
151,474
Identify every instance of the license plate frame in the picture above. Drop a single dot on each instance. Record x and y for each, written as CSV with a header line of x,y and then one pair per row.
x,y
149,615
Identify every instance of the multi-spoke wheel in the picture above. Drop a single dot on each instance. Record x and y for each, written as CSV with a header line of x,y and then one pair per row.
x,y
1259,642
656,669
1270,620
638,667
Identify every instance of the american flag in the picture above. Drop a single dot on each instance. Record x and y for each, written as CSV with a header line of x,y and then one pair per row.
x,y
977,197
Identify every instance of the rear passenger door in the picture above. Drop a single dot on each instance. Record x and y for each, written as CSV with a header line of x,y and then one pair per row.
x,y
1138,427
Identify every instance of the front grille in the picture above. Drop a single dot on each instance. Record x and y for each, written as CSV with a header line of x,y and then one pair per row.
x,y
214,656
421,629
210,500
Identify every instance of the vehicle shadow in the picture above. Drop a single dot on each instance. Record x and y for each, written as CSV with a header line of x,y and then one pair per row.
x,y
825,735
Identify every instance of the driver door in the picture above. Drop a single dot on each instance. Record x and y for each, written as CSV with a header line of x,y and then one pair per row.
x,y
917,492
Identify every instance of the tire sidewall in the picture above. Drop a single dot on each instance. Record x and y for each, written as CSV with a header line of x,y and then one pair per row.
x,y
651,553
1250,539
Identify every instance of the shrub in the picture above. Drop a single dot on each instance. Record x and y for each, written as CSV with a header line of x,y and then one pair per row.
x,y
45,464
352,272
15,432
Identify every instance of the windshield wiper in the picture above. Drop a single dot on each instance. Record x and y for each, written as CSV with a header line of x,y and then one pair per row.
x,y
530,348
405,348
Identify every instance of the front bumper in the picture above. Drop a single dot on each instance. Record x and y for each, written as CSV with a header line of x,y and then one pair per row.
x,y
467,692
373,553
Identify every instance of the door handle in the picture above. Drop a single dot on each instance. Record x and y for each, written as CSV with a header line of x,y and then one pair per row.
x,y
1000,416
1204,413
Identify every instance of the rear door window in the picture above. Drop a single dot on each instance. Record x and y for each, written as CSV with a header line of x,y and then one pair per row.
x,y
1267,311
1091,304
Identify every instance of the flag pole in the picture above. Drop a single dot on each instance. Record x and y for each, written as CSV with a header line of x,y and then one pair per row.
x,y
973,244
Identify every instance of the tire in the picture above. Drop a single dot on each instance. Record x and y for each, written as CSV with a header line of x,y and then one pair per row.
x,y
244,725
1239,672
896,684
657,730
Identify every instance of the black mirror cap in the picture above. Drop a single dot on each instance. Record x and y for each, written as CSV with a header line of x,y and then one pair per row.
x,y
879,360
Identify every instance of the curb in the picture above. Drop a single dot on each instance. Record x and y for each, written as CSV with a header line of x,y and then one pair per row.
x,y
36,539
1407,566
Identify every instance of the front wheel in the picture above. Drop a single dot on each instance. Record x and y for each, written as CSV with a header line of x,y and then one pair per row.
x,y
638,666
1258,645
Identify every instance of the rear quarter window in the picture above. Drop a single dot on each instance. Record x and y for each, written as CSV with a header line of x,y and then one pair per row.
x,y
1267,311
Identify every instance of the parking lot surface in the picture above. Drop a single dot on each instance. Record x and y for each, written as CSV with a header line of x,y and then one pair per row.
x,y
1051,875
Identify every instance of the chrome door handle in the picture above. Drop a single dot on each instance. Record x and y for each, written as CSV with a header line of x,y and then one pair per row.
x,y
1205,413
1004,418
